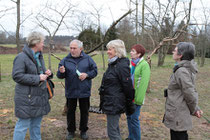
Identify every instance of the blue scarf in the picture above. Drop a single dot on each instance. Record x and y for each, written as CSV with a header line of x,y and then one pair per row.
x,y
36,57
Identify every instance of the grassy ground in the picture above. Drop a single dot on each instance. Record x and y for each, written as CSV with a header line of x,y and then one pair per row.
x,y
9,45
54,124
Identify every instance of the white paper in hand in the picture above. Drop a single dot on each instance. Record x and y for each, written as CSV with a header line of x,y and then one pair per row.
x,y
78,73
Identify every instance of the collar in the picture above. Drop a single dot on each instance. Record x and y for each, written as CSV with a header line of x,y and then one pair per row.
x,y
112,59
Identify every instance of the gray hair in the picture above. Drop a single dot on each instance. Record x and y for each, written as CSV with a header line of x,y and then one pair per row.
x,y
79,43
34,38
119,46
186,49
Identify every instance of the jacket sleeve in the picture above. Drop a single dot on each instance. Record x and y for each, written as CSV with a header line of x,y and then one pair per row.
x,y
92,69
126,82
20,76
59,74
185,82
141,88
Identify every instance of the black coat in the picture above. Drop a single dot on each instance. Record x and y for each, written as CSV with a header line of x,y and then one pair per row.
x,y
116,89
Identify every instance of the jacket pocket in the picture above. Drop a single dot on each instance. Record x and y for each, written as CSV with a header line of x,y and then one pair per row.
x,y
170,114
108,104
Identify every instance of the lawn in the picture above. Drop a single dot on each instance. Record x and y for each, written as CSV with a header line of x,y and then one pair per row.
x,y
54,124
9,45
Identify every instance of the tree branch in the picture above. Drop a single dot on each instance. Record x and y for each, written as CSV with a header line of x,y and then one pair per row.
x,y
112,26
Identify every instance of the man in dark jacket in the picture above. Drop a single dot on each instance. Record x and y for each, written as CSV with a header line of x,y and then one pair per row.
x,y
78,69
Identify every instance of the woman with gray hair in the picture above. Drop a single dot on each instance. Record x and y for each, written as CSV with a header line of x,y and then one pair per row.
x,y
181,95
31,96
116,90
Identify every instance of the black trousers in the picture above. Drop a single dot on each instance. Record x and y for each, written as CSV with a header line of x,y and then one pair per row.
x,y
84,104
178,135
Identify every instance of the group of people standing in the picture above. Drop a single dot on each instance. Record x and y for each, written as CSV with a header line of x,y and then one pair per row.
x,y
123,88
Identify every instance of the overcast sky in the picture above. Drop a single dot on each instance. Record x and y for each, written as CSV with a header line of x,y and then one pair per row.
x,y
116,7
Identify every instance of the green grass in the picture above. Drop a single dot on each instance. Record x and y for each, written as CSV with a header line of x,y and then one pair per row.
x,y
9,45
54,124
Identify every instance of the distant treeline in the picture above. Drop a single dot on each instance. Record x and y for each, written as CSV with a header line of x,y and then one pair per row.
x,y
59,40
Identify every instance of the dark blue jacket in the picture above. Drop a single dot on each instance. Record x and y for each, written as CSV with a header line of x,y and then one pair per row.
x,y
74,87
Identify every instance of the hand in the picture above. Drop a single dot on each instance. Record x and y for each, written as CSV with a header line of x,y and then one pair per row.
x,y
83,76
198,113
48,72
62,69
130,108
43,77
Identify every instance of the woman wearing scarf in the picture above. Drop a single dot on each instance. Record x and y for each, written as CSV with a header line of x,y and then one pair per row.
x,y
116,91
31,96
140,75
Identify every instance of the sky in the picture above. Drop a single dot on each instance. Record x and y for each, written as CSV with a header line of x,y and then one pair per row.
x,y
110,10
117,8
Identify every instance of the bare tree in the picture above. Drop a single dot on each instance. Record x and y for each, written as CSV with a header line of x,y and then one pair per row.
x,y
126,32
163,23
136,3
143,7
97,15
17,2
19,22
205,41
112,26
51,17
82,22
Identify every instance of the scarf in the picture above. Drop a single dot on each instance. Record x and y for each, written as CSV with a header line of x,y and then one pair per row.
x,y
133,66
36,57
112,59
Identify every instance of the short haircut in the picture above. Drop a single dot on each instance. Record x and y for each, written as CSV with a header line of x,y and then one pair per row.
x,y
119,47
79,43
139,49
186,49
34,38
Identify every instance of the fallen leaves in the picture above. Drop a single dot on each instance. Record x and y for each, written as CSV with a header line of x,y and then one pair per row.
x,y
4,112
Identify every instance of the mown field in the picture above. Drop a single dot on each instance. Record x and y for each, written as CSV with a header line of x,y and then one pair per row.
x,y
54,124
9,45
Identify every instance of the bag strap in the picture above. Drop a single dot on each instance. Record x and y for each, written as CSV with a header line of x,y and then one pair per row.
x,y
49,90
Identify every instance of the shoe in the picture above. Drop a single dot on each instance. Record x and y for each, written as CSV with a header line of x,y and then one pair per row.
x,y
70,136
83,135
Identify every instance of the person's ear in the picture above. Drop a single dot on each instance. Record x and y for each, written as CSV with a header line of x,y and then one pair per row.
x,y
139,55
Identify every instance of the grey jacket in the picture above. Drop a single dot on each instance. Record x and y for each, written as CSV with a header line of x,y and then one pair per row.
x,y
31,97
182,99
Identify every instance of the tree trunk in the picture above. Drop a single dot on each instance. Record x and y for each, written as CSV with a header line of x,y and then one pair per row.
x,y
137,33
0,71
203,56
18,27
49,54
203,51
162,54
143,4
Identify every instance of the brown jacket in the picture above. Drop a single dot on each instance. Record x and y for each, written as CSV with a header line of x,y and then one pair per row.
x,y
182,99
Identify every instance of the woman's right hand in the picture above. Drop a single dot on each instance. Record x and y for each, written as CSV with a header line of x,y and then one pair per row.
x,y
198,113
43,77
62,69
